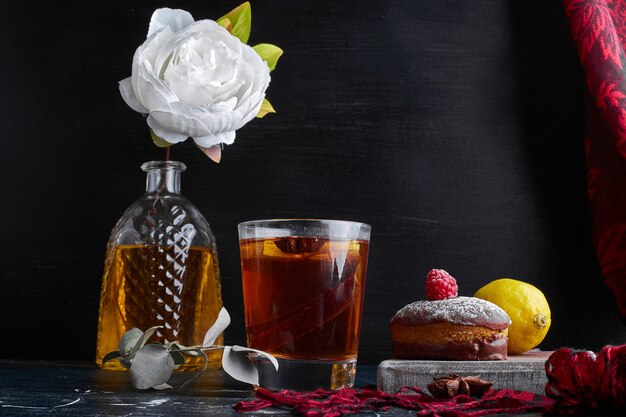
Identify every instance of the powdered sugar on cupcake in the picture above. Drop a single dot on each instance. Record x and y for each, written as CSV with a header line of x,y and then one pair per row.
x,y
468,311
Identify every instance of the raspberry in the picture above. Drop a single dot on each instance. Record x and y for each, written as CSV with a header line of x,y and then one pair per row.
x,y
440,285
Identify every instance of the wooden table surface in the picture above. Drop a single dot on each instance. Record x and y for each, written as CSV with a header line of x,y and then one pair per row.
x,y
30,388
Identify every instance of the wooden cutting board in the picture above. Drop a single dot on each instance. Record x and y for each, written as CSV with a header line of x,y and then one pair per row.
x,y
525,372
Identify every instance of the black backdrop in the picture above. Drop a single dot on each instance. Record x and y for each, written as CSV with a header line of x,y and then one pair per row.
x,y
454,128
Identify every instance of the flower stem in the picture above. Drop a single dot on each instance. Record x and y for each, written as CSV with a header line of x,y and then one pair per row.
x,y
167,153
192,349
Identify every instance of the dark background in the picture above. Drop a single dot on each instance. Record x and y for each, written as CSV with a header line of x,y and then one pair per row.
x,y
454,128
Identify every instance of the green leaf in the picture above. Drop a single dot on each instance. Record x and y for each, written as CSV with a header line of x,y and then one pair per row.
x,y
240,21
266,107
161,143
226,24
268,53
111,356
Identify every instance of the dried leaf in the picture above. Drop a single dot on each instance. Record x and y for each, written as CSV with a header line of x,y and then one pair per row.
x,y
142,341
269,53
173,346
178,357
214,152
176,350
111,356
266,108
266,355
239,366
240,21
221,323
162,387
129,340
236,363
152,366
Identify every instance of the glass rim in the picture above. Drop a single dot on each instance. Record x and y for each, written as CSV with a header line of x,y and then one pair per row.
x,y
303,220
173,165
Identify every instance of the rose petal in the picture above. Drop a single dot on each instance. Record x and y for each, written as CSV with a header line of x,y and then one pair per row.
x,y
218,117
227,120
154,94
166,135
146,84
200,95
155,50
128,94
176,19
257,72
227,138
250,112
181,122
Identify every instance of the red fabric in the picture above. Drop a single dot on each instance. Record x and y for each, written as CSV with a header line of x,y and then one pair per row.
x,y
578,382
598,28
583,381
347,401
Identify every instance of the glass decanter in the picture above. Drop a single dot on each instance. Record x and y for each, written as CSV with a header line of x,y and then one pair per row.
x,y
161,269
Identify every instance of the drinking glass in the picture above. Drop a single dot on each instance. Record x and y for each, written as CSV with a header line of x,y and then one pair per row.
x,y
303,286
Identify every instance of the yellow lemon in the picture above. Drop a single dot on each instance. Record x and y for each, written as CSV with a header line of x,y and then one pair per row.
x,y
526,306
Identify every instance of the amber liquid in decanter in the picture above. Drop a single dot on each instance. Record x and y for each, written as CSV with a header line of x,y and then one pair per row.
x,y
139,292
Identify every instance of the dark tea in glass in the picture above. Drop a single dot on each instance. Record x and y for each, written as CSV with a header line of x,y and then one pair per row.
x,y
303,287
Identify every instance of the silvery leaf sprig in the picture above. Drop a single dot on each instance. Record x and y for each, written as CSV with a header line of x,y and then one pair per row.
x,y
151,365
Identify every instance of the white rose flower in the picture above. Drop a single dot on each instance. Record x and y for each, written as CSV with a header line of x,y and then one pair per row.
x,y
195,79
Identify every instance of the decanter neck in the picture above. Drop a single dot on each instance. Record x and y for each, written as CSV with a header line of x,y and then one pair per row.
x,y
163,176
